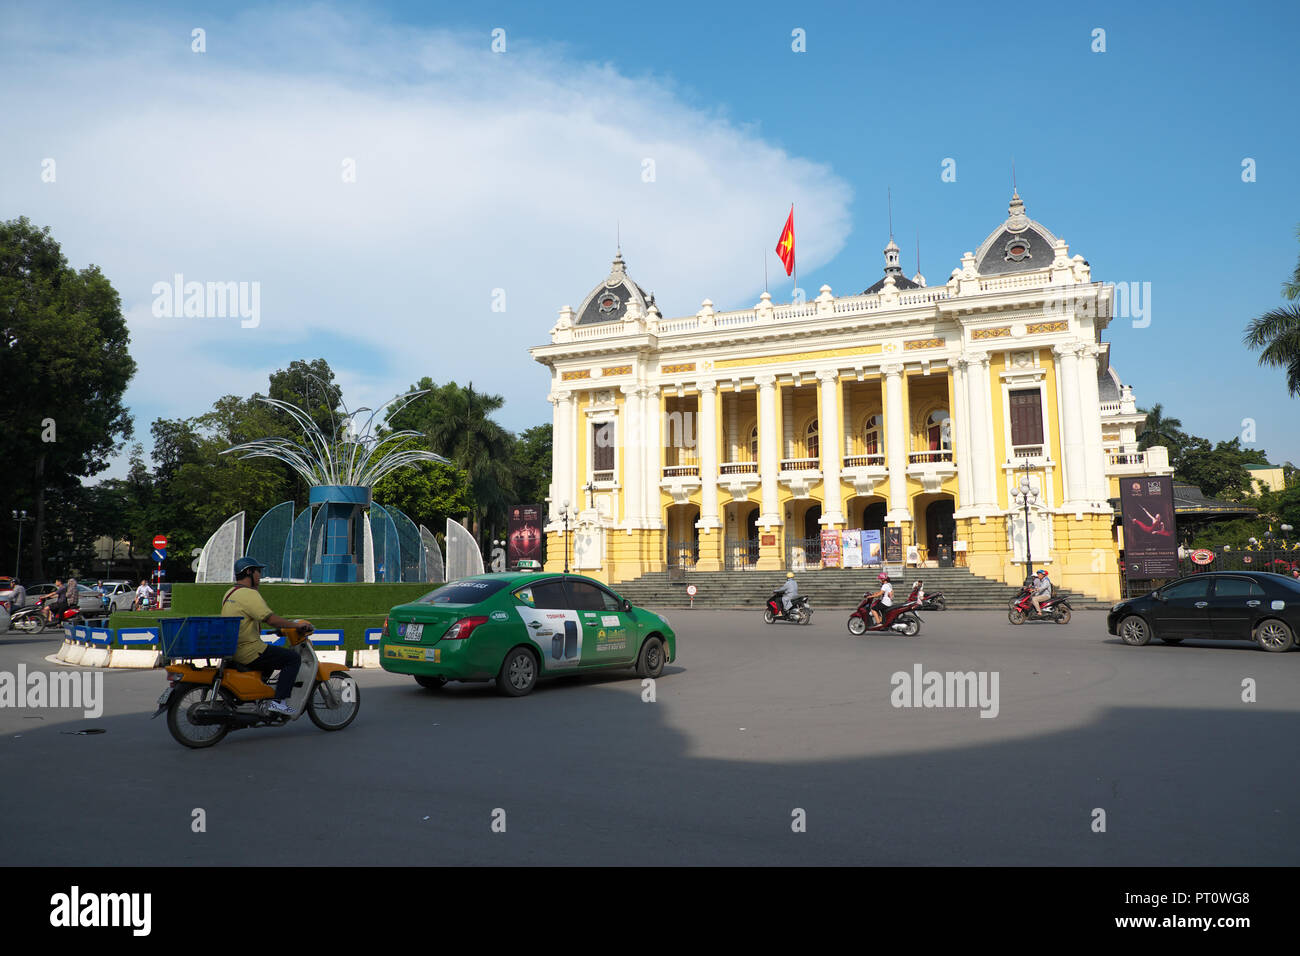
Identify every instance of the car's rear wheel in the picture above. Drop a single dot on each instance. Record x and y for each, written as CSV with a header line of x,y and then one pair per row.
x,y
518,674
1134,631
431,683
650,662
1274,635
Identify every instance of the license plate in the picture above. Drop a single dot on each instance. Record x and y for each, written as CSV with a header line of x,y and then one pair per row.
x,y
414,632
163,698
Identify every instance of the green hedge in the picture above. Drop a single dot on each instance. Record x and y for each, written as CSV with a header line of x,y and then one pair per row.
x,y
303,600
352,608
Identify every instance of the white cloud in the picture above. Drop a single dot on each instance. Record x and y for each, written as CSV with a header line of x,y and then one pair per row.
x,y
475,171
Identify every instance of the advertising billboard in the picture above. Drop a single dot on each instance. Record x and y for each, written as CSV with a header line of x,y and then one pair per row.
x,y
871,548
524,537
830,549
894,545
1150,536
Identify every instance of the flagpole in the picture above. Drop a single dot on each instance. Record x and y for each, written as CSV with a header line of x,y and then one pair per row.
x,y
765,268
794,259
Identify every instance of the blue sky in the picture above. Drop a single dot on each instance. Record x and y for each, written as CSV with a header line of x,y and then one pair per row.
x,y
479,171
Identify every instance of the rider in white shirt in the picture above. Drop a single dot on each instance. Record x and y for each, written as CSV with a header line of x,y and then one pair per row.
x,y
883,598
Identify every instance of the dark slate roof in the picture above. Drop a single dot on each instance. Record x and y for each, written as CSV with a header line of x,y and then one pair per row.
x,y
901,281
1108,385
608,301
999,257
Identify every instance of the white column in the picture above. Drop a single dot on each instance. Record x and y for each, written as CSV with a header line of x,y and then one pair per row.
x,y
896,445
653,419
1076,478
787,423
828,425
1097,488
561,442
962,437
767,450
633,455
576,476
708,444
733,428
984,456
847,428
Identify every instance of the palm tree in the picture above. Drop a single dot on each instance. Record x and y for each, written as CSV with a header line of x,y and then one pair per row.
x,y
1277,333
1158,430
456,422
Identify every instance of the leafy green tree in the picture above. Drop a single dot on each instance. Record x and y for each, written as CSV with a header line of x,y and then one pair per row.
x,y
1220,471
1159,430
1276,333
65,366
428,493
533,464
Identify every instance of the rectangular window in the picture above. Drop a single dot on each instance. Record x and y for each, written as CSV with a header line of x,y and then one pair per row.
x,y
602,451
1027,417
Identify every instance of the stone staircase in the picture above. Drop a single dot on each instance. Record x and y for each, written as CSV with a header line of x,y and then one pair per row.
x,y
828,588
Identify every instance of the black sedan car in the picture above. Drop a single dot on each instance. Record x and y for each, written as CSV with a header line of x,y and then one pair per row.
x,y
1217,605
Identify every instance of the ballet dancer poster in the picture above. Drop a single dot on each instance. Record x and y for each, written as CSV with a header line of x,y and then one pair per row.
x,y
524,541
1150,535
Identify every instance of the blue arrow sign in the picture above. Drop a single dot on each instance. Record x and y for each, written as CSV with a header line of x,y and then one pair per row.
x,y
160,554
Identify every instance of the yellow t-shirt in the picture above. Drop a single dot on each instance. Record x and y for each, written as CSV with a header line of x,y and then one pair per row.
x,y
248,604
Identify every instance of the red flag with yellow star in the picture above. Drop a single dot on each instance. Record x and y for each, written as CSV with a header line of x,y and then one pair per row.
x,y
785,245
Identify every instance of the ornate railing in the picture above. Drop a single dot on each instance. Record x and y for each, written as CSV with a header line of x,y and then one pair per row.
x,y
800,464
929,457
738,468
863,461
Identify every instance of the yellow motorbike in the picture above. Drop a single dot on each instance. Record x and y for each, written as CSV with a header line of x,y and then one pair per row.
x,y
203,704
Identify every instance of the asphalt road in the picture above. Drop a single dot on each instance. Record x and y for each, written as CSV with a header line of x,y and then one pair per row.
x,y
752,723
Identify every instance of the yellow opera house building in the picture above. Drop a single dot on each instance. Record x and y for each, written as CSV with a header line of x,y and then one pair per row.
x,y
733,439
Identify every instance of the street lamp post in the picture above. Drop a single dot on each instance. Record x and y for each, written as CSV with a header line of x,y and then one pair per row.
x,y
20,517
564,513
1027,495
1268,537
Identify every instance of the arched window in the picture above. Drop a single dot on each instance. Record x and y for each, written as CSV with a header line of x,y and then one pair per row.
x,y
871,436
812,444
938,430
753,443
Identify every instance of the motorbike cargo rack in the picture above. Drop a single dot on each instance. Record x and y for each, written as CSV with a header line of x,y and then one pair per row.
x,y
209,637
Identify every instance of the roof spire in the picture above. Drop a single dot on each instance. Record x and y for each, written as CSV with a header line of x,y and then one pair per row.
x,y
889,198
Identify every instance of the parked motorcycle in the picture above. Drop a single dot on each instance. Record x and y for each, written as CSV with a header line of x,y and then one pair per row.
x,y
1055,608
927,602
203,704
901,617
31,620
800,612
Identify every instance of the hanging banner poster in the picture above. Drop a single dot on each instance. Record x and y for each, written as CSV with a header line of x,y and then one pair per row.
x,y
830,549
852,549
871,557
894,545
1150,541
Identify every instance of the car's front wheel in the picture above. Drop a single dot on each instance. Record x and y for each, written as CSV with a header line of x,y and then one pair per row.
x,y
1274,635
1134,631
518,674
650,662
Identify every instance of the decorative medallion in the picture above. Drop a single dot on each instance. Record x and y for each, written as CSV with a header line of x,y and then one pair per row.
x,y
608,303
1017,249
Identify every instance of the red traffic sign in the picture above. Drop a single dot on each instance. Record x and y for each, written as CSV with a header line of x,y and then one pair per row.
x,y
691,590
160,542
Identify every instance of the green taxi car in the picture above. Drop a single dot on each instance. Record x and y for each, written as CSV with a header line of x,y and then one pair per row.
x,y
517,628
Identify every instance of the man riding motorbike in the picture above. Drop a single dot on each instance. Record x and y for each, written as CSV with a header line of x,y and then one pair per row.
x,y
882,598
1042,591
243,600
55,603
788,591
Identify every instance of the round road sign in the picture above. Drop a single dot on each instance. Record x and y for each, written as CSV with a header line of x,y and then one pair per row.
x,y
691,589
160,542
